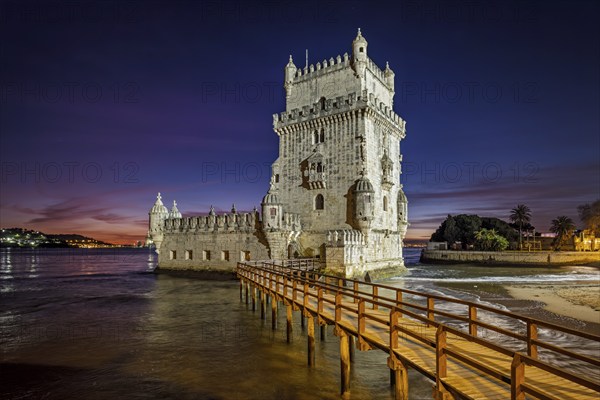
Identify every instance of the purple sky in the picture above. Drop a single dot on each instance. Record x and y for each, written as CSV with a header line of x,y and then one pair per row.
x,y
104,104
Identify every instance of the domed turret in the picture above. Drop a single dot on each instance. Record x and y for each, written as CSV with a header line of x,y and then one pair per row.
x,y
270,198
402,210
174,213
157,215
363,208
158,207
363,185
272,210
359,54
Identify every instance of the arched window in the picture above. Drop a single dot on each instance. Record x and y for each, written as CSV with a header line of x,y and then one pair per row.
x,y
319,202
316,137
385,203
322,136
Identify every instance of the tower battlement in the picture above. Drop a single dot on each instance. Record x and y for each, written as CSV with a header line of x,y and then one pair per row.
x,y
329,107
333,65
225,222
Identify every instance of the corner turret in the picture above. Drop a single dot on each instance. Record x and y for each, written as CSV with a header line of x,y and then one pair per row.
x,y
363,203
389,76
156,218
290,72
359,54
174,213
402,212
272,210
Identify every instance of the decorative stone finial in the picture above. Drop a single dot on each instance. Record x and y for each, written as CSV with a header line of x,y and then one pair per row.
x,y
233,209
159,196
212,210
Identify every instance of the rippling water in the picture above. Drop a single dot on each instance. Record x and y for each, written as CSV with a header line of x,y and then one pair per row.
x,y
100,324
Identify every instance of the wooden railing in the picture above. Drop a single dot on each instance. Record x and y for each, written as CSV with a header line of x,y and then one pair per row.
x,y
353,297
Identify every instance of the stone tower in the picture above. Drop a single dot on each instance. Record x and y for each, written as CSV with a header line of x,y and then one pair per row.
x,y
335,188
339,162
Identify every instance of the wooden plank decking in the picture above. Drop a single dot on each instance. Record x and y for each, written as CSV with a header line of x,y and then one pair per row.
x,y
462,364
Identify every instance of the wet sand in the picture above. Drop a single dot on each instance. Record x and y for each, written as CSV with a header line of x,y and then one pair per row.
x,y
580,301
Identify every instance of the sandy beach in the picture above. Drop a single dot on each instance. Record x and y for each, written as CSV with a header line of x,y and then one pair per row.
x,y
580,301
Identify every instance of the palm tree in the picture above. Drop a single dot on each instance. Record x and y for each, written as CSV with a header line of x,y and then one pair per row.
x,y
563,227
520,215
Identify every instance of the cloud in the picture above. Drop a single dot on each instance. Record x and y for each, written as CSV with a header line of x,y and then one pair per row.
x,y
108,217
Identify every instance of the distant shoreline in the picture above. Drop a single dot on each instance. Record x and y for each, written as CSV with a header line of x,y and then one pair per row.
x,y
511,258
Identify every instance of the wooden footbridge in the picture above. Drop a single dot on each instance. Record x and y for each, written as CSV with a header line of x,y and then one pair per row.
x,y
459,351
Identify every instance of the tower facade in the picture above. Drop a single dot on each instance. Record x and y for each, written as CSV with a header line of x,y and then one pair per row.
x,y
339,161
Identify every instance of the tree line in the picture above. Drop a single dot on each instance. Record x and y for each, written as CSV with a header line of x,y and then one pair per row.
x,y
493,234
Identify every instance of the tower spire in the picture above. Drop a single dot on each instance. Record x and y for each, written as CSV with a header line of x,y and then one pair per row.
x,y
306,65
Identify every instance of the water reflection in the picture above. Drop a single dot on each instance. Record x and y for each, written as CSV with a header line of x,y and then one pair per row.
x,y
5,264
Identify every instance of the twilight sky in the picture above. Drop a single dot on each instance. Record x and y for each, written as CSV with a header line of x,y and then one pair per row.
x,y
103,104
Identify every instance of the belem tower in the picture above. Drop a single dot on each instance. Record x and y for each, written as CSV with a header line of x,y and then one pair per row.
x,y
335,189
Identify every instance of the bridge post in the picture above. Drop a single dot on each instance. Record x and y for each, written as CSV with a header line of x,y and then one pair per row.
x,y
375,295
398,377
289,323
430,307
247,286
398,301
472,319
274,313
311,340
517,376
263,299
532,350
440,364
253,298
344,364
323,332
241,290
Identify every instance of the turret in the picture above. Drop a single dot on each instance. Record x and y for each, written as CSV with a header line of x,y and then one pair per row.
x,y
363,203
290,72
402,211
389,76
359,54
157,215
272,210
174,213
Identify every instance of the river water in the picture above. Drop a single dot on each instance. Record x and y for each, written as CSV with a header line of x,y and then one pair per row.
x,y
100,324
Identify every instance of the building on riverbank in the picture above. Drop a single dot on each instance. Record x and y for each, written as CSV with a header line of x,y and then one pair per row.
x,y
335,190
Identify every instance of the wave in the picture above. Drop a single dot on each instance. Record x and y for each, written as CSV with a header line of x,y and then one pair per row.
x,y
509,279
